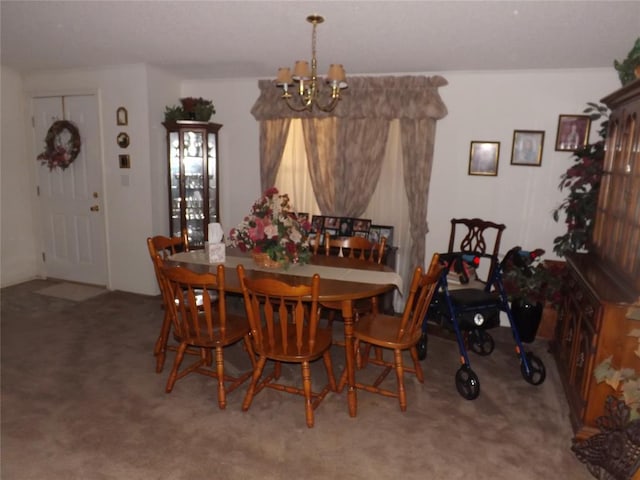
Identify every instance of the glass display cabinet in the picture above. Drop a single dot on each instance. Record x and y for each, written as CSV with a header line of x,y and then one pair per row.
x,y
193,178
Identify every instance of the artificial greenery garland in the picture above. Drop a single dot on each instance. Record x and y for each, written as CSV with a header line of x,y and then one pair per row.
x,y
58,152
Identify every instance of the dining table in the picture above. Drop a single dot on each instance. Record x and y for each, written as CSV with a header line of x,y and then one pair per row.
x,y
342,279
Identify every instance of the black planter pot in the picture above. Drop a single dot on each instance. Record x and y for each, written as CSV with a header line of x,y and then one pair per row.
x,y
526,317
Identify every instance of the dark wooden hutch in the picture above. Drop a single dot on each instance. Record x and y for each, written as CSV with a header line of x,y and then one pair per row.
x,y
603,305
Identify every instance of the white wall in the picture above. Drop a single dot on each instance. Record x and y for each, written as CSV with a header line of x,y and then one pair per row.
x,y
17,237
482,106
127,192
490,106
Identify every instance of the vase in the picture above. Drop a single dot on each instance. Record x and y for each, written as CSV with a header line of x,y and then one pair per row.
x,y
526,317
263,260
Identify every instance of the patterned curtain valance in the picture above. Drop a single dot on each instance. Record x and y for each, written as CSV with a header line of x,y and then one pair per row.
x,y
413,97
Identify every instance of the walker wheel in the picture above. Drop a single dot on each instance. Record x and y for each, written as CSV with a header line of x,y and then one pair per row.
x,y
422,347
537,372
481,342
467,383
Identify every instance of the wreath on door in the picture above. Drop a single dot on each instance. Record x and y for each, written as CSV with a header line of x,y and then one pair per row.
x,y
62,145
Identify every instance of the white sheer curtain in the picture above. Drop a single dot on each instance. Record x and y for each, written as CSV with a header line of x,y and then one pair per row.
x,y
293,176
389,206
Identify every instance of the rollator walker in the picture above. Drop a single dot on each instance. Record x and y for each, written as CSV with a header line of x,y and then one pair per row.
x,y
470,312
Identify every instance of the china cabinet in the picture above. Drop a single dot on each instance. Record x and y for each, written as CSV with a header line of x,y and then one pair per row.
x,y
193,178
602,307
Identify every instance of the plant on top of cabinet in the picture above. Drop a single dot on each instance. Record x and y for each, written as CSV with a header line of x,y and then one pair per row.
x,y
629,68
582,179
190,108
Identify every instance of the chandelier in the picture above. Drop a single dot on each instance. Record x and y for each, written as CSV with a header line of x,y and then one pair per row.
x,y
310,91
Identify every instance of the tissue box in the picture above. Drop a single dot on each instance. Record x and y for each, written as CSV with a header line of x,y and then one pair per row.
x,y
216,252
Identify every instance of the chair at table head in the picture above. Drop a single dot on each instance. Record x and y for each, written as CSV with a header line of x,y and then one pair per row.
x,y
396,334
476,236
163,247
284,328
203,323
355,247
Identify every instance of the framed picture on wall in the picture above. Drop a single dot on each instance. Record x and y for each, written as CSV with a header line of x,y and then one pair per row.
x,y
573,132
527,147
483,158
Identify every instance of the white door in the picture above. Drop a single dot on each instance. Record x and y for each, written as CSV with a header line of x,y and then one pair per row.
x,y
71,203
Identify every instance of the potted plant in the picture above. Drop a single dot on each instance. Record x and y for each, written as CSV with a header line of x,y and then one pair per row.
x,y
582,180
190,108
529,283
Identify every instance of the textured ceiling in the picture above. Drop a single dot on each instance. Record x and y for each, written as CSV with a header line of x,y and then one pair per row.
x,y
222,39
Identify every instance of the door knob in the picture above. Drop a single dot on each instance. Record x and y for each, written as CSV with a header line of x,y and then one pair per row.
x,y
95,208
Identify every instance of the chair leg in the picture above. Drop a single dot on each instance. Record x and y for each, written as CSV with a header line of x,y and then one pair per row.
x,y
248,347
257,373
416,364
328,364
402,394
160,348
306,385
222,397
171,381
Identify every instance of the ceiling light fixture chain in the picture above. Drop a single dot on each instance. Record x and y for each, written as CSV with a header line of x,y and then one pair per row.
x,y
309,88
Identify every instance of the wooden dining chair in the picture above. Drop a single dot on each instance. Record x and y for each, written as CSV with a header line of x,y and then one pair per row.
x,y
164,247
284,328
397,334
203,324
474,235
361,249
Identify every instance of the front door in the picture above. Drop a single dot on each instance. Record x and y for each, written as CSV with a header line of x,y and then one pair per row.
x,y
71,200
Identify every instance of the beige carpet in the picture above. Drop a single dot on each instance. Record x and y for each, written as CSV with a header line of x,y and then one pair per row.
x,y
76,292
81,401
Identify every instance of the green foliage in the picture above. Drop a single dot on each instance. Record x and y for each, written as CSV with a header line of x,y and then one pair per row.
x,y
625,381
582,180
190,108
628,65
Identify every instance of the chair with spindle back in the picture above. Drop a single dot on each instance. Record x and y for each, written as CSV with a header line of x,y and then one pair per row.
x,y
285,328
361,249
202,323
388,332
164,247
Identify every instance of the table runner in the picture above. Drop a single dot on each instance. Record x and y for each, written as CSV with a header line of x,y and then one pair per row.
x,y
307,270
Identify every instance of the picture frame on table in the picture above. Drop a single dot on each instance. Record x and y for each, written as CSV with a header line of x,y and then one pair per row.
x,y
345,227
527,147
331,222
376,232
361,225
483,158
573,132
317,223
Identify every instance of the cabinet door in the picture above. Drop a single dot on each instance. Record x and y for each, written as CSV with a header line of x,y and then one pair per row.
x,y
175,184
195,196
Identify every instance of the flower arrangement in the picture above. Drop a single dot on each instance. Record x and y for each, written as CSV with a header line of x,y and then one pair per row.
x,y
62,145
190,108
272,227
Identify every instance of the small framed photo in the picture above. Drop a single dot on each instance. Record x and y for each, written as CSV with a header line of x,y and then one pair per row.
x,y
483,158
376,232
527,147
122,116
331,222
317,223
573,132
345,228
361,225
123,140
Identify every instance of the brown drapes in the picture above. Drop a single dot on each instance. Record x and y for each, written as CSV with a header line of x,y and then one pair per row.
x,y
345,147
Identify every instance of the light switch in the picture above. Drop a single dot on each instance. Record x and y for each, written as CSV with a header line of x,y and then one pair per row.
x,y
124,180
